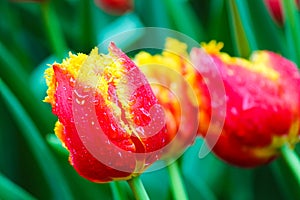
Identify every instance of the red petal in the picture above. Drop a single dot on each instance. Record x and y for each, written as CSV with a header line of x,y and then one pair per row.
x,y
82,160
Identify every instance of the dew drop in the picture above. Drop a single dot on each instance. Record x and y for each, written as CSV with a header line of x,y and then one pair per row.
x,y
234,111
144,112
120,154
113,127
80,101
79,95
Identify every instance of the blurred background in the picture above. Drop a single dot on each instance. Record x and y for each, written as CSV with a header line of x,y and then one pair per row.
x,y
33,165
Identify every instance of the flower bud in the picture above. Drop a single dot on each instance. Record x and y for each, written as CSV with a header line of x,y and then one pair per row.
x,y
108,116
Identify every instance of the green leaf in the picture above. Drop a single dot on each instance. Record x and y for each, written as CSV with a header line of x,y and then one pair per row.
x,y
185,19
150,180
10,190
56,144
154,8
292,160
242,33
116,31
87,35
53,30
292,30
204,174
263,23
17,79
44,157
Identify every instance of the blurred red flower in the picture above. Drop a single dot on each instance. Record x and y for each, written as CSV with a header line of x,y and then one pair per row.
x,y
117,7
172,77
275,9
262,105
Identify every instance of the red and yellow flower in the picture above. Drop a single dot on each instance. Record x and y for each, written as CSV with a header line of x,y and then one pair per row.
x,y
172,76
109,94
262,105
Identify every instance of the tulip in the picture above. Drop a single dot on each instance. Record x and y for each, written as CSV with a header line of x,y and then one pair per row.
x,y
262,105
117,7
275,9
171,76
108,116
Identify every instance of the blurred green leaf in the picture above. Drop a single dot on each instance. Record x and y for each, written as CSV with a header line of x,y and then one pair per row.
x,y
37,80
121,31
9,190
265,185
17,79
184,19
154,8
155,190
292,30
44,157
80,187
262,23
56,144
53,30
203,174
86,29
242,33
292,161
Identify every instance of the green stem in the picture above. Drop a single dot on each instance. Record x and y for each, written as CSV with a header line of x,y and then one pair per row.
x,y
177,185
293,162
53,30
116,191
292,28
138,188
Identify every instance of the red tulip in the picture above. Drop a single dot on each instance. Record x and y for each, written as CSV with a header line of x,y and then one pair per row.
x,y
275,9
262,106
108,117
117,7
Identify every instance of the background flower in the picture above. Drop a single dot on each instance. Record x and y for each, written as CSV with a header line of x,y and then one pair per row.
x,y
118,7
172,77
262,105
275,9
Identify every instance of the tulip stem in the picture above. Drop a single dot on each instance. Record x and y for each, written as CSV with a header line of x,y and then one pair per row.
x,y
178,189
292,160
116,191
138,188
